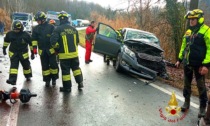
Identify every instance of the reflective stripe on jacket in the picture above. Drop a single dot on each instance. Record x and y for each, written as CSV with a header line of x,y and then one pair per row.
x,y
18,43
65,39
195,47
41,37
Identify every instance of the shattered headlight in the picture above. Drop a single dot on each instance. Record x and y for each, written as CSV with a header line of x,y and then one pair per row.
x,y
129,52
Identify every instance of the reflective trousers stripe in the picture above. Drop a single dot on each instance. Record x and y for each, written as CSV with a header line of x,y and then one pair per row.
x,y
68,55
11,54
13,71
34,43
6,44
66,77
46,72
53,71
77,72
25,55
27,71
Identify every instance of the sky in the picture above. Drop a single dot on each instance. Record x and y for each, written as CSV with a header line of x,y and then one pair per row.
x,y
114,4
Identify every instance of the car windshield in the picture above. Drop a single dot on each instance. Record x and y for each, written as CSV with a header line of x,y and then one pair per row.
x,y
141,35
21,18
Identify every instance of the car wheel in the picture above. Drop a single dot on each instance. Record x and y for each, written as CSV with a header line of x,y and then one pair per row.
x,y
118,68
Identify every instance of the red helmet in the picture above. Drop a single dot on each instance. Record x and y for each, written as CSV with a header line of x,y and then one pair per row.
x,y
52,21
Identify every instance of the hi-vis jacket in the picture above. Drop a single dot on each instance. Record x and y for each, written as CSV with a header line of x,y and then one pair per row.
x,y
41,37
18,44
195,49
65,39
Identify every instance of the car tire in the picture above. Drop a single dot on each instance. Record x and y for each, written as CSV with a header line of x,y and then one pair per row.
x,y
118,68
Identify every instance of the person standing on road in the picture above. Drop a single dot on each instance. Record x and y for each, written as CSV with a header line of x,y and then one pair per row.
x,y
195,54
65,40
53,23
41,37
2,25
90,31
18,41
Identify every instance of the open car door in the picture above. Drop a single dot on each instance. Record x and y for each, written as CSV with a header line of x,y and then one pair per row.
x,y
106,40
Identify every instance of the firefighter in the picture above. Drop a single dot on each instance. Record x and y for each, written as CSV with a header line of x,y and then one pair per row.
x,y
53,23
195,54
64,40
18,51
41,37
120,39
90,31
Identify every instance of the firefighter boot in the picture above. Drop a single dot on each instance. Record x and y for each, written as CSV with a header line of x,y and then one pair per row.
x,y
11,82
80,85
62,89
202,111
47,83
28,79
186,105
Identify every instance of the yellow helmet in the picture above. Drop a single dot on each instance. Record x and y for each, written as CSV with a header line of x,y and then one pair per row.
x,y
196,13
63,15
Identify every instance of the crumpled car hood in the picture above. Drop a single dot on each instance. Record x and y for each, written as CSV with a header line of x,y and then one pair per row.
x,y
145,44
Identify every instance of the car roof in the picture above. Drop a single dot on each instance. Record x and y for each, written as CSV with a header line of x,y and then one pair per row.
x,y
132,29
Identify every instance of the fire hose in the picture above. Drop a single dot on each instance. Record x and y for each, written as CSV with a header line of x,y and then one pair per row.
x,y
24,95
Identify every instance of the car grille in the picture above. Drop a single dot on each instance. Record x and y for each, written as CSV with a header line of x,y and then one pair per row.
x,y
153,62
149,57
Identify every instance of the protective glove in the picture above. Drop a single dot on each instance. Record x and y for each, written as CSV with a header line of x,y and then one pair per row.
x,y
97,29
4,51
203,70
35,51
177,64
32,56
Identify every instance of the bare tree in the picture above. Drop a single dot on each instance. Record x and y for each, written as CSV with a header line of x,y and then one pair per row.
x,y
193,4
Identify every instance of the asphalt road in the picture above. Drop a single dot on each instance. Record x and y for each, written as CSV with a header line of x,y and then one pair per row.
x,y
108,99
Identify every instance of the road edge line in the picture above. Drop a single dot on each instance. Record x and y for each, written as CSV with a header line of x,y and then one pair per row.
x,y
169,93
13,115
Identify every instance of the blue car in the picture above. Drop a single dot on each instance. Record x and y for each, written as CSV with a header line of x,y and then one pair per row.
x,y
139,52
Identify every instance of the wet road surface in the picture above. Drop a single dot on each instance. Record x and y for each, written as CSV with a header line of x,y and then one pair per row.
x,y
108,99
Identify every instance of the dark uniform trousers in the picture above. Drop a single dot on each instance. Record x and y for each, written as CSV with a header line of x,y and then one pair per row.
x,y
15,64
49,67
66,65
200,79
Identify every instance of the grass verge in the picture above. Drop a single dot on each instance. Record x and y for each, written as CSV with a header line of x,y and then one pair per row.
x,y
82,37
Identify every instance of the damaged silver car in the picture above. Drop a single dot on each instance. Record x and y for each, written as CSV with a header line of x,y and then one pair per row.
x,y
138,51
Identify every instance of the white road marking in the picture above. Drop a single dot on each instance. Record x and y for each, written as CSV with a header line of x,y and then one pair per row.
x,y
169,93
13,115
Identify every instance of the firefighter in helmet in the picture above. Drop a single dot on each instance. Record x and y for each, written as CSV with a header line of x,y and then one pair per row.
x,y
64,40
41,38
18,42
120,39
195,55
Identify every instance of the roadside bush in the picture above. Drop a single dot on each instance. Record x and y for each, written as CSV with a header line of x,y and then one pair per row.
x,y
4,17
